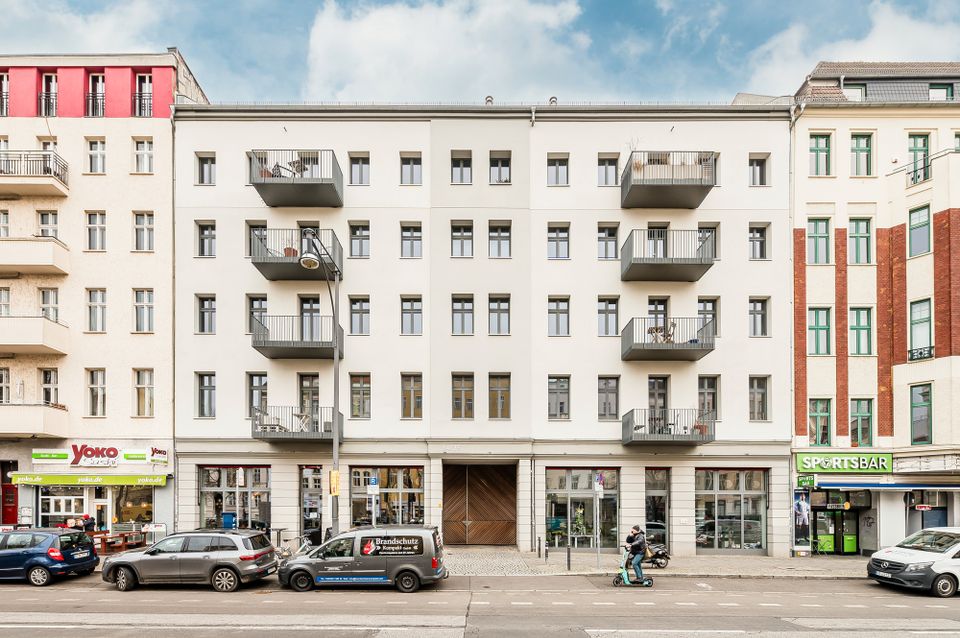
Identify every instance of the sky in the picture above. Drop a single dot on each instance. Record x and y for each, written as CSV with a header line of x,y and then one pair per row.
x,y
515,50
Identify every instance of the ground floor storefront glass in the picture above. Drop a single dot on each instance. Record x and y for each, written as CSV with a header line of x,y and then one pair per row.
x,y
400,500
731,510
119,507
235,497
573,507
311,498
657,483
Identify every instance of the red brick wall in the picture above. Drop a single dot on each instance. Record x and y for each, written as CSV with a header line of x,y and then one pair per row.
x,y
898,266
884,334
946,285
842,337
799,331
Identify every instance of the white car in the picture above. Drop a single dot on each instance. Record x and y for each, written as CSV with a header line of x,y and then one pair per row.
x,y
928,560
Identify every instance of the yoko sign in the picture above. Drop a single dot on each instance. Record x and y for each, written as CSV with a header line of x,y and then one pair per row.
x,y
845,462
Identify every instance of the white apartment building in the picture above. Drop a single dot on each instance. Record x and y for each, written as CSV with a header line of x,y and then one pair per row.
x,y
876,256
86,289
555,321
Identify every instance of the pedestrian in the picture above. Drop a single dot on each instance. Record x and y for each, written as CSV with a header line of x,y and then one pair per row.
x,y
88,523
636,543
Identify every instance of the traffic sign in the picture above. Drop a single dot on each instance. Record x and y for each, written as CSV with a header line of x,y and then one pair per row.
x,y
373,486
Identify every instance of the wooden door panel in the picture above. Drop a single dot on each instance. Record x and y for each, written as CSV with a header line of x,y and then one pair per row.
x,y
492,505
492,533
454,504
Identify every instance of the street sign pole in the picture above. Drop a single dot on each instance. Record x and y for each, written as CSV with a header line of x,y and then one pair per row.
x,y
597,493
373,493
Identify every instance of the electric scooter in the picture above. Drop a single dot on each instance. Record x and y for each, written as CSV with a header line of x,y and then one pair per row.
x,y
623,577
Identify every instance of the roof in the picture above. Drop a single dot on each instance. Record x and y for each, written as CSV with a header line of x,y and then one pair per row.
x,y
825,70
821,93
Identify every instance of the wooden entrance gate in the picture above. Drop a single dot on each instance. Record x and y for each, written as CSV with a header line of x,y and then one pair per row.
x,y
480,504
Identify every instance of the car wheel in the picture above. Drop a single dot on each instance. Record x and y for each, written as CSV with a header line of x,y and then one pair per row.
x,y
944,586
407,582
225,580
301,581
39,576
125,579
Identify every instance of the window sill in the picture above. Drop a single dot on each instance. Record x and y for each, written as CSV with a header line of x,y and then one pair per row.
x,y
759,337
759,421
761,259
863,176
461,183
558,185
352,334
93,250
93,416
142,332
461,256
499,257
94,332
199,184
204,418
411,334
822,356
760,186
367,184
411,418
143,416
143,252
204,256
498,334
140,173
826,264
500,183
358,257
559,418
852,263
558,336
402,257
358,418
499,418
205,334
558,259
822,176
402,184
94,174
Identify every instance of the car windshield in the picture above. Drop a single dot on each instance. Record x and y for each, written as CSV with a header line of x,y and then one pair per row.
x,y
256,542
931,541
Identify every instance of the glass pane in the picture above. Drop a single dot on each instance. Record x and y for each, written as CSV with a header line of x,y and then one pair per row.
x,y
608,521
705,480
729,516
657,480
611,479
581,521
556,518
556,480
753,481
581,480
706,515
754,526
656,526
729,480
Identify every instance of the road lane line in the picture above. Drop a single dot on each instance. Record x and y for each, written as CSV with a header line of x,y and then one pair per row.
x,y
771,605
937,606
810,605
898,606
480,602
855,606
729,604
520,602
686,604
644,603
437,602
603,603
560,603
396,602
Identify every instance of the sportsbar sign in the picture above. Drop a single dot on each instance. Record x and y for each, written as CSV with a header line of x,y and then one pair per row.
x,y
845,462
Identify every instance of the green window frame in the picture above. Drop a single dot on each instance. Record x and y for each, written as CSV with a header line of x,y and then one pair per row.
x,y
820,154
861,422
819,422
861,333
818,331
919,150
921,324
956,141
859,241
921,414
919,231
946,88
818,241
861,155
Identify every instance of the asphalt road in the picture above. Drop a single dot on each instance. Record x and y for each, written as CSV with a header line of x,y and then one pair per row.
x,y
488,606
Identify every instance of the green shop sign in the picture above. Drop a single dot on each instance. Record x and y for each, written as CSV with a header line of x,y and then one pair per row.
x,y
27,478
845,462
805,480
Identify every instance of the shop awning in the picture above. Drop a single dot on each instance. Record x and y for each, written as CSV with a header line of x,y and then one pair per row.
x,y
33,478
888,487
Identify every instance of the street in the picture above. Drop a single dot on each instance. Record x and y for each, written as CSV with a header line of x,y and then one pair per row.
x,y
487,606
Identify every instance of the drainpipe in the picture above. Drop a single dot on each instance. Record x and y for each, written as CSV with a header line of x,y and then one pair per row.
x,y
533,116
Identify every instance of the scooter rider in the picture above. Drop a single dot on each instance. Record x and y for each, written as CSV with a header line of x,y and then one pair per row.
x,y
636,542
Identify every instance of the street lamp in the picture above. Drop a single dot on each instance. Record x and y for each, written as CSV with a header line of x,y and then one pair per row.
x,y
312,258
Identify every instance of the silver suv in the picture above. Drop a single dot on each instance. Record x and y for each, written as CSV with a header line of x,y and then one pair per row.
x,y
222,557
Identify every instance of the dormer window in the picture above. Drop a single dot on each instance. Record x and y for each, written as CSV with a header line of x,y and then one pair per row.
x,y
855,92
941,92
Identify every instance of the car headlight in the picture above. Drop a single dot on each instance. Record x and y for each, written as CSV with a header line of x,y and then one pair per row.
x,y
916,567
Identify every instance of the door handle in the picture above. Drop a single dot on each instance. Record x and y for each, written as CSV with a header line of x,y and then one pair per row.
x,y
206,555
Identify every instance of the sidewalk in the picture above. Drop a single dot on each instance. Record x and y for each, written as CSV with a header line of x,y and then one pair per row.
x,y
506,561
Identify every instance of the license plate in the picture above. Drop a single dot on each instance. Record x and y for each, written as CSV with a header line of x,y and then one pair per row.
x,y
81,554
883,574
270,570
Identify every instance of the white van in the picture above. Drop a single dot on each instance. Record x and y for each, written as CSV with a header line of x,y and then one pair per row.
x,y
929,560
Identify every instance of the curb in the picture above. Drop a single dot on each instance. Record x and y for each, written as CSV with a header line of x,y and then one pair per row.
x,y
654,574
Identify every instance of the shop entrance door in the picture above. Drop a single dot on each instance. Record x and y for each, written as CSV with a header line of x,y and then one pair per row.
x,y
480,504
9,500
836,532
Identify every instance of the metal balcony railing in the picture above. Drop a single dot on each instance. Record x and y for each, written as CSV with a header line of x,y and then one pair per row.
x,y
34,164
919,171
4,104
286,177
667,179
94,104
143,105
682,426
660,254
667,338
293,423
276,253
296,336
47,104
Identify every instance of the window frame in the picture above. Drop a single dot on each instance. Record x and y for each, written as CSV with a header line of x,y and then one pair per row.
x,y
463,388
819,329
558,316
818,232
813,431
361,393
911,226
754,390
860,239
414,312
604,391
820,152
759,313
860,152
558,388
928,404
496,237
499,395
858,330
857,417
411,395
206,401
495,315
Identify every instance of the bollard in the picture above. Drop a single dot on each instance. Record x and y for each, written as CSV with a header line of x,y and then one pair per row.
x,y
568,558
546,553
538,547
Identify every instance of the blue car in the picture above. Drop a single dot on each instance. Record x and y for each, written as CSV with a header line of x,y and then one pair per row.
x,y
38,555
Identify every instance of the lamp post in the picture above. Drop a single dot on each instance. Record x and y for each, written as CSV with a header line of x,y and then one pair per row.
x,y
311,258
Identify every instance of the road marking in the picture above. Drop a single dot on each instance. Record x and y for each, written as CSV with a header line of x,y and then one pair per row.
x,y
771,605
855,606
26,600
687,604
68,600
520,602
729,604
665,631
188,600
271,601
480,602
644,603
898,606
604,603
810,605
704,586
396,602
560,603
937,606
437,602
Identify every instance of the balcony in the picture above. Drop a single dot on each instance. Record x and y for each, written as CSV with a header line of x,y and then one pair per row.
x,y
143,105
297,178
666,339
33,420
658,254
33,256
47,104
275,252
296,337
685,426
667,179
33,335
32,174
290,424
94,104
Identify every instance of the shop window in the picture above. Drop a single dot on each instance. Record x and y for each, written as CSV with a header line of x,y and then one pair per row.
x,y
731,510
570,503
311,498
657,505
132,504
235,497
59,503
400,500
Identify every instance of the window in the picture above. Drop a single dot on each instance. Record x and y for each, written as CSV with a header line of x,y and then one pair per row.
x,y
708,309
606,242
940,92
499,388
4,385
410,170
463,315
818,331
558,241
730,510
658,397
4,223
708,397
819,155
921,330
4,302
206,169
569,507
861,155
47,221
919,150
257,392
360,315
758,317
256,312
608,398
97,392
206,394
463,396
557,173
359,240
96,310
921,414
919,231
758,171
500,167
206,314
401,497
411,396
461,168
758,398
411,315
411,241
859,240
558,397
360,170
861,335
607,171
49,391
97,231
499,315
855,92
558,317
461,239
360,396
207,239
818,241
818,422
143,231
50,303
499,240
143,310
143,392
758,242
256,239
96,156
657,311
607,324
861,422
143,98
143,155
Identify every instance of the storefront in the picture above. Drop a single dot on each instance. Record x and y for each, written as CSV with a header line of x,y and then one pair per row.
x,y
400,498
582,507
657,506
311,498
731,511
235,497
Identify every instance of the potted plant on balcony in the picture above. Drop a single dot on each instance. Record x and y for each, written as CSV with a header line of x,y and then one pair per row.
x,y
290,250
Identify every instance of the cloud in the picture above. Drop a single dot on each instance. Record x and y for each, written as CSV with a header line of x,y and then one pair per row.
x,y
779,65
515,50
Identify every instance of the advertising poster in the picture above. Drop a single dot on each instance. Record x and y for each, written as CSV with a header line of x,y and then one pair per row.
x,y
801,520
392,546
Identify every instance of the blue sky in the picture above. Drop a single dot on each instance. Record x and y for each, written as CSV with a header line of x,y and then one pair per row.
x,y
515,50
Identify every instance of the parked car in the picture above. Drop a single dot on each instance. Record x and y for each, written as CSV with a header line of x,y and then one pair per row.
x,y
41,554
222,557
927,560
405,556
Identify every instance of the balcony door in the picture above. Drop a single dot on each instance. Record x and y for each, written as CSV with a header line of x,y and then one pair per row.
x,y
310,318
657,242
658,389
310,397
657,311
